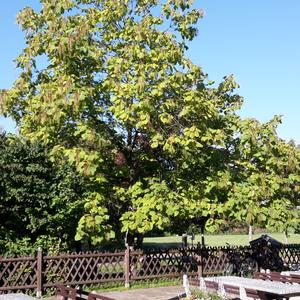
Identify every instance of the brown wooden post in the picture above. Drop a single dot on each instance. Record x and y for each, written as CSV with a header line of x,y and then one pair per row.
x,y
39,273
127,266
200,264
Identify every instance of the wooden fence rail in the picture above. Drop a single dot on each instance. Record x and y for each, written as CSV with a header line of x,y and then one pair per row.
x,y
42,273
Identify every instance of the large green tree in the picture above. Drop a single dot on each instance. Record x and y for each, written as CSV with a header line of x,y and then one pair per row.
x,y
107,85
119,98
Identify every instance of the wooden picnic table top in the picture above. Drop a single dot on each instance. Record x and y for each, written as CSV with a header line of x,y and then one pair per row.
x,y
267,287
290,273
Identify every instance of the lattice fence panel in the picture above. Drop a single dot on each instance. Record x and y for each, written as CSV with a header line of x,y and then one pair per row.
x,y
290,254
17,274
156,263
174,263
216,258
83,269
214,261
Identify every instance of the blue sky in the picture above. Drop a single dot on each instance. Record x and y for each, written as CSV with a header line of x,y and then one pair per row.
x,y
257,41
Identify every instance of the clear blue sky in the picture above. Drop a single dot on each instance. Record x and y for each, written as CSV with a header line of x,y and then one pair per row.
x,y
258,41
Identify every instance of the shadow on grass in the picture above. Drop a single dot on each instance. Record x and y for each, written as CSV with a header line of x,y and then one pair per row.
x,y
161,245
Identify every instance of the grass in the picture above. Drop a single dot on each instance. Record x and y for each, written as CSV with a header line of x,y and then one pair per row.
x,y
137,285
211,240
216,240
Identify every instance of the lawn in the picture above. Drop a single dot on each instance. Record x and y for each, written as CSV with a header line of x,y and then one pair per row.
x,y
216,240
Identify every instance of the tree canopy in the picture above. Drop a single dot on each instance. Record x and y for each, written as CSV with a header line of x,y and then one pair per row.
x,y
107,85
265,182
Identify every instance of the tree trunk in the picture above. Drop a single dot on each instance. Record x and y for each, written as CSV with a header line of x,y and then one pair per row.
x,y
250,233
202,234
286,236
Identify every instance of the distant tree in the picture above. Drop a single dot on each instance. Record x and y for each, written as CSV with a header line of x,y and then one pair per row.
x,y
266,175
2,188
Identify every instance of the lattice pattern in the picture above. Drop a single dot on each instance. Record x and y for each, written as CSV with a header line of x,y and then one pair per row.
x,y
17,274
211,259
20,274
83,269
291,256
173,263
214,262
156,264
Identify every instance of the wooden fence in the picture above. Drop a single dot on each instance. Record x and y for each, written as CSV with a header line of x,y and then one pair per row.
x,y
42,273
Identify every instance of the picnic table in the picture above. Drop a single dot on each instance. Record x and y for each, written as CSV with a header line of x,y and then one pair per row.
x,y
291,273
265,289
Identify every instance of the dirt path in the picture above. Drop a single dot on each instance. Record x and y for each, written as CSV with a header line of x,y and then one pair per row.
x,y
159,293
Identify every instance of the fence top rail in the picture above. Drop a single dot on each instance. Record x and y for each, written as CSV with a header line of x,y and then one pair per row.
x,y
15,259
74,255
291,246
17,287
157,251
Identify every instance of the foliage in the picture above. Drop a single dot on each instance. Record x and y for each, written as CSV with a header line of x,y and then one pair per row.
x,y
266,176
198,294
121,101
25,246
158,143
141,284
39,202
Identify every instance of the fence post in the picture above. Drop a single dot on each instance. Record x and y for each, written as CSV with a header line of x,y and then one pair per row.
x,y
127,267
39,273
200,264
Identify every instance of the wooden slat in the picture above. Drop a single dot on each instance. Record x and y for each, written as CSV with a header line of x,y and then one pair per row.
x,y
85,282
74,255
19,287
231,289
71,293
94,296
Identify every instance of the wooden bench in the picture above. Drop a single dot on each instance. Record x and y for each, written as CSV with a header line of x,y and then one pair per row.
x,y
233,290
230,290
275,276
95,296
295,278
67,292
209,284
77,294
194,282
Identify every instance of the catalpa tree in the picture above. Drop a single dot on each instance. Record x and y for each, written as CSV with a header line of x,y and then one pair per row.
x,y
108,86
265,177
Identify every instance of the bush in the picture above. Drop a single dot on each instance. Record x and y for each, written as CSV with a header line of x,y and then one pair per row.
x,y
40,203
